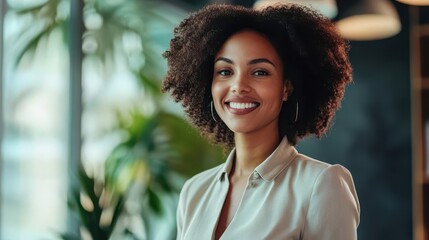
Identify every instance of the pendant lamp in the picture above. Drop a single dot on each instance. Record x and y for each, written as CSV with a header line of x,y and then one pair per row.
x,y
326,7
415,2
368,20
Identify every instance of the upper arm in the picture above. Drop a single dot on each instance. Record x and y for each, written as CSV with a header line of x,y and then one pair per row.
x,y
333,211
181,211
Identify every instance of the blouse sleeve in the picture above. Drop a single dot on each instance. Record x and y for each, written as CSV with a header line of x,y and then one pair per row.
x,y
333,212
181,211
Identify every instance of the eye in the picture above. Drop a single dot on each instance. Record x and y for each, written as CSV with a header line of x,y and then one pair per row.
x,y
260,73
224,72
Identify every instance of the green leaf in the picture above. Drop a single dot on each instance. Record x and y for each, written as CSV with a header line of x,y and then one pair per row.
x,y
181,135
88,185
27,8
69,236
31,40
150,85
117,212
154,201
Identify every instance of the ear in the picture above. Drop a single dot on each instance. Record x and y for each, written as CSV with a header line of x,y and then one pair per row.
x,y
287,90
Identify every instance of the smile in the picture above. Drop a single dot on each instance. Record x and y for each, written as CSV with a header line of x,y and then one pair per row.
x,y
241,108
242,105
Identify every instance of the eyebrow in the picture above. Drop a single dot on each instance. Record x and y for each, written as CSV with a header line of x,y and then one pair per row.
x,y
253,61
261,60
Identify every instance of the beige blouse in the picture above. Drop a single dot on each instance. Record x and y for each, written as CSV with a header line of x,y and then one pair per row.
x,y
288,196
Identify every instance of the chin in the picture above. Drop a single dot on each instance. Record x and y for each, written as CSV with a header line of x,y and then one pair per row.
x,y
240,127
246,126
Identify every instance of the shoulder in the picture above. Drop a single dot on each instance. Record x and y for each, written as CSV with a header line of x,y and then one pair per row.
x,y
202,181
322,176
335,184
316,167
309,169
310,164
333,210
321,171
312,174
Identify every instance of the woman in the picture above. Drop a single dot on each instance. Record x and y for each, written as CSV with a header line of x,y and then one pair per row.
x,y
257,82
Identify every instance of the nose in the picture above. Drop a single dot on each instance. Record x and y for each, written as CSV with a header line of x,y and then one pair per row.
x,y
240,84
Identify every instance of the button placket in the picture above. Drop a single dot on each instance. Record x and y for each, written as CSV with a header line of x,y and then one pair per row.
x,y
253,181
255,175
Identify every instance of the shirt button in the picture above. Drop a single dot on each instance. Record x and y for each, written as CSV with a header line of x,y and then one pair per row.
x,y
255,175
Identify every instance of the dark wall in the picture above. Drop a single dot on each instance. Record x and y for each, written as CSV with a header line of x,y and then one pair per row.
x,y
371,135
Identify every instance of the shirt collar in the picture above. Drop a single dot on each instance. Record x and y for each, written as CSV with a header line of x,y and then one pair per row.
x,y
227,166
272,166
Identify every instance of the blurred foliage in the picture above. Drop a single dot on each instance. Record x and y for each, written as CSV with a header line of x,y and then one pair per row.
x,y
160,149
98,209
166,145
138,29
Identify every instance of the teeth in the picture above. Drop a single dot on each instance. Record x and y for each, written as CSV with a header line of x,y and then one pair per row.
x,y
242,105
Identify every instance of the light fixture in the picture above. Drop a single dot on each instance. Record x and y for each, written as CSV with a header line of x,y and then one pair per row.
x,y
325,7
368,20
415,2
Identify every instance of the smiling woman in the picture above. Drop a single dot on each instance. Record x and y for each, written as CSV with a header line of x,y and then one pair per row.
x,y
258,81
248,88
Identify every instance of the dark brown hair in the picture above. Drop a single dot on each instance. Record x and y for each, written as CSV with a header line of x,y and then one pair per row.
x,y
313,54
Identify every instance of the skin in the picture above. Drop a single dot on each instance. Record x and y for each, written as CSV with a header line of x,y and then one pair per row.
x,y
253,77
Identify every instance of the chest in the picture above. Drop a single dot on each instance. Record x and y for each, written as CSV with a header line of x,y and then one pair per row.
x,y
230,205
259,210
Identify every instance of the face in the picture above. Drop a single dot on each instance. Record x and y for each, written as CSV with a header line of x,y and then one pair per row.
x,y
248,87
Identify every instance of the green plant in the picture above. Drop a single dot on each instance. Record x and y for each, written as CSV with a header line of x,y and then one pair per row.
x,y
98,208
160,152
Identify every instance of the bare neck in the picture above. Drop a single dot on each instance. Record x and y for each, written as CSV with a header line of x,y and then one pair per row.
x,y
252,151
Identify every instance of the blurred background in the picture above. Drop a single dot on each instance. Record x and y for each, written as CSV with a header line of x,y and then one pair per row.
x,y
91,149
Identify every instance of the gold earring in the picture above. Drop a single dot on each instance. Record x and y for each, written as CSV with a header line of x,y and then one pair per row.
x,y
212,111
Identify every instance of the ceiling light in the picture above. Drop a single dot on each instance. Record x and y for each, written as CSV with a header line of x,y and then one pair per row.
x,y
325,7
415,2
368,20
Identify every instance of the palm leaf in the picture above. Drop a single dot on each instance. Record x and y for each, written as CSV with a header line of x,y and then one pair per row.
x,y
29,40
29,8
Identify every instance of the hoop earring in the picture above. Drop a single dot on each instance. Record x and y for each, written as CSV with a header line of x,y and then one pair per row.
x,y
212,112
296,113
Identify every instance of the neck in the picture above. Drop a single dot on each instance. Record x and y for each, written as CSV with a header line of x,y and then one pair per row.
x,y
252,151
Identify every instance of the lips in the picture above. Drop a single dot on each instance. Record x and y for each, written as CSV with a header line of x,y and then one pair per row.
x,y
241,106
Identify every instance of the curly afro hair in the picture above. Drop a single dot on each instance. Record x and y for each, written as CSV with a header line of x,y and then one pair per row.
x,y
314,56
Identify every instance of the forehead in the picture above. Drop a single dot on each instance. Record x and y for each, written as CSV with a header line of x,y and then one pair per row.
x,y
248,44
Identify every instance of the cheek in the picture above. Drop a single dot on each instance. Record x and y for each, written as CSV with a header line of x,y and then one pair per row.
x,y
275,94
217,90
